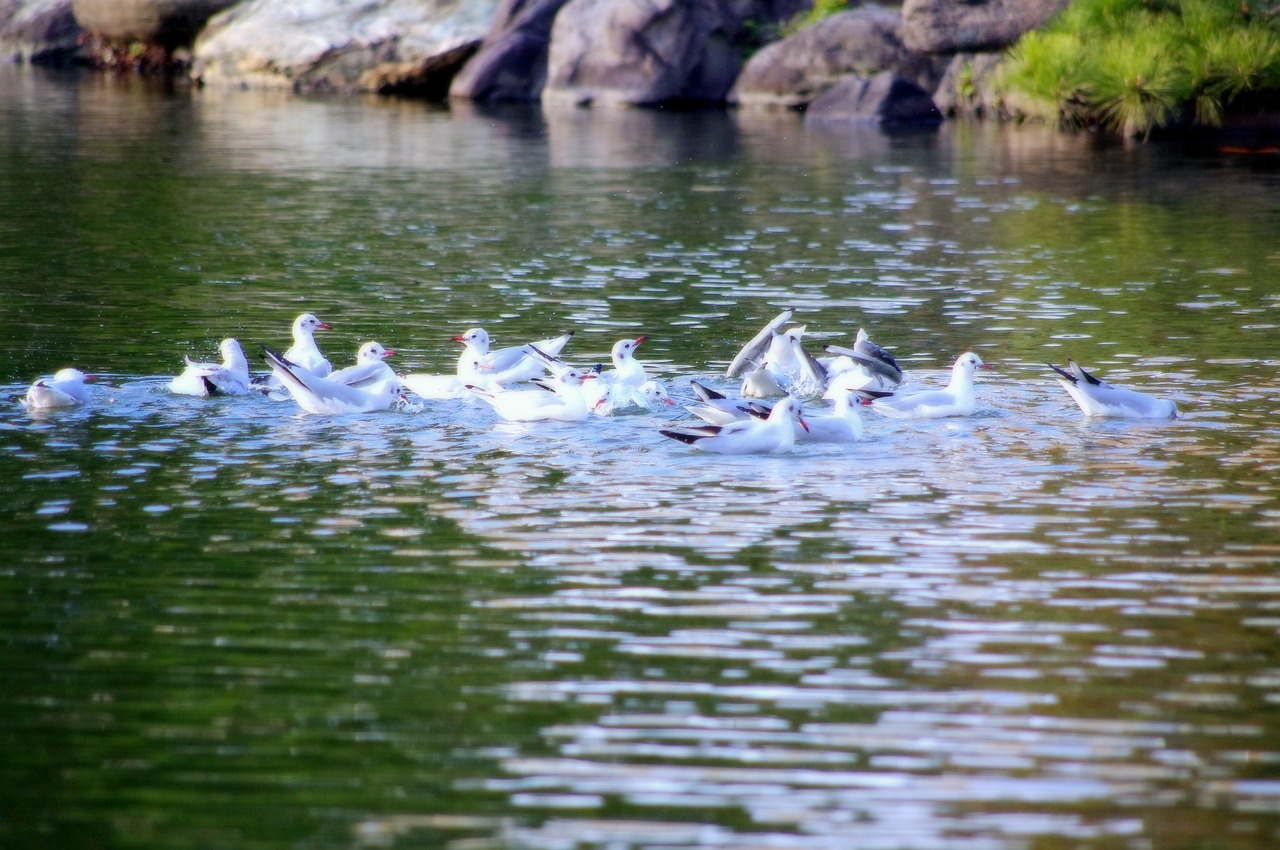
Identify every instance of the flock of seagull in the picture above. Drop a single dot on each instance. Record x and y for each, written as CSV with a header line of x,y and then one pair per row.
x,y
531,382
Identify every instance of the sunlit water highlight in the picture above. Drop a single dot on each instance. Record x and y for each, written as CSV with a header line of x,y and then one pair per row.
x,y
232,624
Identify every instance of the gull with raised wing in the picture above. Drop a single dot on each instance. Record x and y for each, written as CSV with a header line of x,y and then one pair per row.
x,y
1098,398
772,435
485,367
230,377
786,368
65,389
369,369
558,398
315,394
956,399
866,366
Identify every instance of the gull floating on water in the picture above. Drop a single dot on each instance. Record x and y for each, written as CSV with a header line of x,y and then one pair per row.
x,y
230,377
491,368
304,352
620,398
772,435
315,394
842,425
1098,398
65,389
369,369
558,398
957,399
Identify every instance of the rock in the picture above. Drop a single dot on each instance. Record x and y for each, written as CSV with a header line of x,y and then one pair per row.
x,y
38,31
512,62
168,24
862,42
952,26
333,45
653,52
885,100
966,90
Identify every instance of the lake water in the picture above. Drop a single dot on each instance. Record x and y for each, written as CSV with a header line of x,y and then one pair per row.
x,y
226,624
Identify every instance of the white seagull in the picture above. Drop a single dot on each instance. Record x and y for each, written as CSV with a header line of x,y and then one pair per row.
x,y
772,435
785,368
718,408
1098,398
369,369
627,374
487,368
230,377
558,399
315,394
842,425
866,366
620,398
65,389
957,399
304,352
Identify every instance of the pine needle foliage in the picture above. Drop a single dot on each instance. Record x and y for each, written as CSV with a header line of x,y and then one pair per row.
x,y
1134,66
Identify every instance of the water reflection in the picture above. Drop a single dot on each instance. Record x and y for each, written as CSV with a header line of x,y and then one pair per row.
x,y
231,624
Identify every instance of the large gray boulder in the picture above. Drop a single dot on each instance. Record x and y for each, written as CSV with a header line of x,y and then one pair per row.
x,y
653,52
967,88
168,24
952,26
37,30
512,62
863,42
334,45
886,101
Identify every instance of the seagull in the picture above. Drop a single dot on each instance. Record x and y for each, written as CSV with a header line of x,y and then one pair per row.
x,y
619,382
1098,398
772,435
315,394
865,366
304,352
230,377
558,398
369,369
65,389
716,407
752,354
486,368
842,425
626,368
956,399
784,368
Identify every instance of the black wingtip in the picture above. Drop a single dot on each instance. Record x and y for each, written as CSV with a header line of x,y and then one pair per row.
x,y
1063,372
689,439
209,386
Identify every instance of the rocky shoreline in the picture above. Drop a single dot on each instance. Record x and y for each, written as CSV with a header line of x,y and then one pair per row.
x,y
917,64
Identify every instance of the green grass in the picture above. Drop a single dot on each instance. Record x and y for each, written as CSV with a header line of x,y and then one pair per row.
x,y
1134,66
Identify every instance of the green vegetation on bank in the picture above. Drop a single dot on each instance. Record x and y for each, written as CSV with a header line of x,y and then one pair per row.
x,y
1133,66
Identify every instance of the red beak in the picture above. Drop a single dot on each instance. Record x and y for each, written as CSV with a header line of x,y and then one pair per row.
x,y
458,339
324,326
640,339
803,424
388,353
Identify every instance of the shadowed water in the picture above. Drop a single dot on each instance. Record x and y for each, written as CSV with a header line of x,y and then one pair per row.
x,y
230,624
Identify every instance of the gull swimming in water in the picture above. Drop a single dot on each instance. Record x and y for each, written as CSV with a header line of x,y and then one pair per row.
x,y
558,398
370,367
772,435
490,368
1098,398
65,389
315,394
956,399
230,377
